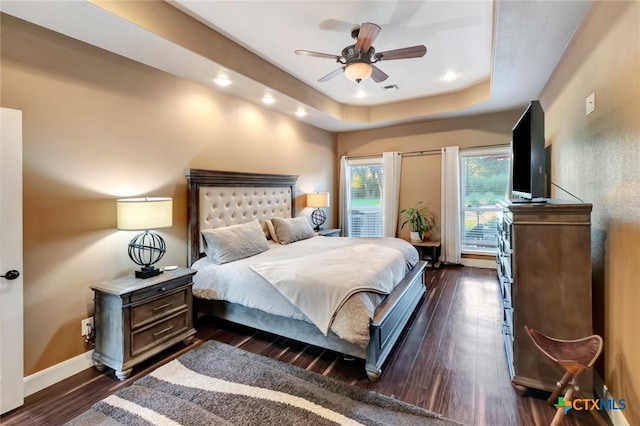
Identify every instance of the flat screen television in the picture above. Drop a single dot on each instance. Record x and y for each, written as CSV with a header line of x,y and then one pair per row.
x,y
528,171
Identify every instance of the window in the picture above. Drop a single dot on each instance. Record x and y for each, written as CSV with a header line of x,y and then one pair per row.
x,y
484,178
364,197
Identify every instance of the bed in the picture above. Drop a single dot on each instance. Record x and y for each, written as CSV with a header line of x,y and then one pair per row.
x,y
221,199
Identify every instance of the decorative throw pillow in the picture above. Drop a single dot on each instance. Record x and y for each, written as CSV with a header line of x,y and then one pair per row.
x,y
265,230
292,230
272,230
223,245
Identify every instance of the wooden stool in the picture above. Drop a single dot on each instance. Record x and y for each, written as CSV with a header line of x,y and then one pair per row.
x,y
575,356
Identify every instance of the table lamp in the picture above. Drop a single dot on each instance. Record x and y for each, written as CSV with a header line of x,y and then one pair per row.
x,y
144,214
318,200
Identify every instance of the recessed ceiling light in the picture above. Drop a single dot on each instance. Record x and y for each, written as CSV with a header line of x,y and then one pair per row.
x,y
222,80
450,76
361,94
300,112
268,99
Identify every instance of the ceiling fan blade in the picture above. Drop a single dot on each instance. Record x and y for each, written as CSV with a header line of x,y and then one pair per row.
x,y
378,75
337,25
404,11
404,53
367,34
330,75
317,54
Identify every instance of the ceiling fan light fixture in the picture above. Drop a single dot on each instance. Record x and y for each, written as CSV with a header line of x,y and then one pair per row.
x,y
358,71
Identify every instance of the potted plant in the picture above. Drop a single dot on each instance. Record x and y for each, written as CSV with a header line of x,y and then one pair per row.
x,y
421,219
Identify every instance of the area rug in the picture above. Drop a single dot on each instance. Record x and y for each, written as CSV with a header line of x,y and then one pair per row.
x,y
217,384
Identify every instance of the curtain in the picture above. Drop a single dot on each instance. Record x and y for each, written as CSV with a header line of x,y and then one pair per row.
x,y
392,165
450,216
343,197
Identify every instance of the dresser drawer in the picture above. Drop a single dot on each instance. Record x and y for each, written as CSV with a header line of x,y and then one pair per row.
x,y
506,297
508,320
149,337
508,348
159,308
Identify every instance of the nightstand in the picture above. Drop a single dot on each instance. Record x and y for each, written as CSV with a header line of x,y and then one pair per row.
x,y
433,252
329,232
137,318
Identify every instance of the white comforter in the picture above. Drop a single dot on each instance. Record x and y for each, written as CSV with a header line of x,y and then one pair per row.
x,y
236,282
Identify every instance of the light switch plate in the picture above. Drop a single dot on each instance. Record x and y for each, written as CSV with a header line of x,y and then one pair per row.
x,y
590,103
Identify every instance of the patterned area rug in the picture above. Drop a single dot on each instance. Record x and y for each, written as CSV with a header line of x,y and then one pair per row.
x,y
217,384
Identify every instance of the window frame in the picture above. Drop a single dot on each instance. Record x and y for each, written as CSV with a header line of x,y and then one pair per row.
x,y
369,161
478,152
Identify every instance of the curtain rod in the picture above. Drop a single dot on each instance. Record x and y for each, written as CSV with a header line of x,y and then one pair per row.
x,y
425,152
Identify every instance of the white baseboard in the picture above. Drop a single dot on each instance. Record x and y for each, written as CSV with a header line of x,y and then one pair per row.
x,y
52,375
616,416
479,263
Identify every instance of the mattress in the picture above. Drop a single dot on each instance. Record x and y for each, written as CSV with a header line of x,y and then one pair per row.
x,y
236,282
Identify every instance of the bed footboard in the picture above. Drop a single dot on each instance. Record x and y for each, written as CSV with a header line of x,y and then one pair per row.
x,y
301,331
390,319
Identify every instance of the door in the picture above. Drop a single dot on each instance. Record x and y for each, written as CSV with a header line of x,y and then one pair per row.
x,y
11,339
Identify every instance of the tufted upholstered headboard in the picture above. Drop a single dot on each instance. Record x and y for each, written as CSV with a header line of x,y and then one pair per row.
x,y
220,198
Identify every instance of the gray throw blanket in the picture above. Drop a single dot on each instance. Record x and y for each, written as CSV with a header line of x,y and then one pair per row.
x,y
318,285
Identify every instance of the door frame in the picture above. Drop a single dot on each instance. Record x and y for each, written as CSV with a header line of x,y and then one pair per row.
x,y
11,291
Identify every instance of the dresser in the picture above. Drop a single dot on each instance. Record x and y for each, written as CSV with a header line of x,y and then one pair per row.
x,y
137,318
544,271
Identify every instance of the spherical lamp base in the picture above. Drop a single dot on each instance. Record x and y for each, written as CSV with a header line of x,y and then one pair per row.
x,y
146,249
318,218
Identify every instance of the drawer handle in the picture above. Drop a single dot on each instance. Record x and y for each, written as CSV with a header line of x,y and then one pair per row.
x,y
161,289
163,331
166,305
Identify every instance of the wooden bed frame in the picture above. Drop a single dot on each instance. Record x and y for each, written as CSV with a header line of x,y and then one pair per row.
x,y
390,318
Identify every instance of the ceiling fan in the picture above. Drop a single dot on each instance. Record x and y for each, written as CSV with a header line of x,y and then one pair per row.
x,y
359,58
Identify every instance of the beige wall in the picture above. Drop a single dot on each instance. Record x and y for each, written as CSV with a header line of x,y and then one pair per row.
x,y
420,178
98,127
597,157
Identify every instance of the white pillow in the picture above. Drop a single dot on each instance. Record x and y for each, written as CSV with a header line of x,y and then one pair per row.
x,y
223,245
292,230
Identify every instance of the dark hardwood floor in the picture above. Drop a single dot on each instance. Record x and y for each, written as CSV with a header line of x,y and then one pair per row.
x,y
450,360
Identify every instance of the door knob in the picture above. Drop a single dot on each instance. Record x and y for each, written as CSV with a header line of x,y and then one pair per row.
x,y
11,275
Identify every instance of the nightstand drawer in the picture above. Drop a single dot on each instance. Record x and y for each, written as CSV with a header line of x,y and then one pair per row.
x,y
149,337
157,289
159,308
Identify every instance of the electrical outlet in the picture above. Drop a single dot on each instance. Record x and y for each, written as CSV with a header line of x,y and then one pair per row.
x,y
86,325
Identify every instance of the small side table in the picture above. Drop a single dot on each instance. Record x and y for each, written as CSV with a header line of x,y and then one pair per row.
x,y
429,251
137,318
329,232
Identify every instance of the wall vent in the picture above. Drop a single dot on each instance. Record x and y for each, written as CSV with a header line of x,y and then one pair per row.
x,y
390,87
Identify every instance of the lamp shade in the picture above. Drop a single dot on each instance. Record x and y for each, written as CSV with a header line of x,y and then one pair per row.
x,y
136,214
318,199
357,71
